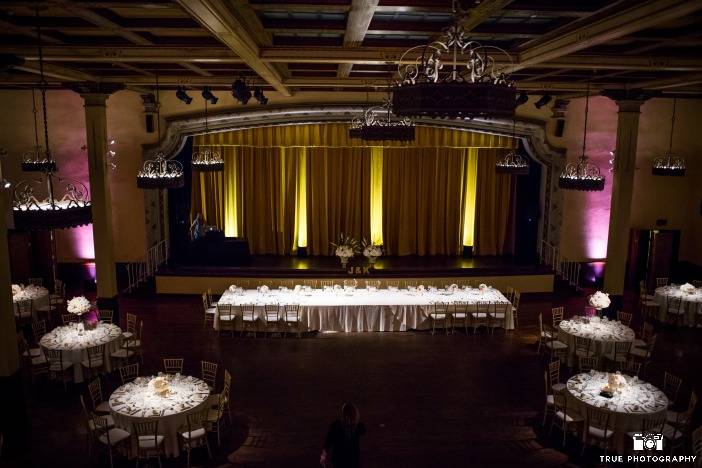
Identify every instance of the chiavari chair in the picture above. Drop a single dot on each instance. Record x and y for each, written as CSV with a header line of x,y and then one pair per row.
x,y
36,281
392,283
272,316
209,374
95,359
149,443
38,330
106,316
439,314
459,314
24,309
193,434
479,318
291,317
129,372
671,387
110,437
630,366
562,419
57,365
226,318
324,284
548,405
498,317
131,326
597,429
248,318
310,283
100,406
68,319
208,312
173,365
624,318
660,282
515,308
586,364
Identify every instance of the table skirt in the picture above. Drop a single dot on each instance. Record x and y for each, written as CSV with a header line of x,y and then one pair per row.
x,y
168,427
620,423
600,348
76,356
691,307
354,318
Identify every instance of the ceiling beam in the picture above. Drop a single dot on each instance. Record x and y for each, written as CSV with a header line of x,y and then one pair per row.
x,y
217,18
126,66
357,23
55,71
333,55
191,66
11,28
674,82
99,20
610,23
483,11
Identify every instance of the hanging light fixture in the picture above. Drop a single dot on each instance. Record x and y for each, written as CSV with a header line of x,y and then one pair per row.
x,y
33,210
378,123
160,173
432,86
206,159
669,165
512,162
582,175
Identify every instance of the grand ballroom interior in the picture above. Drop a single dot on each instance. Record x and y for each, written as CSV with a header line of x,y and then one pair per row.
x,y
343,233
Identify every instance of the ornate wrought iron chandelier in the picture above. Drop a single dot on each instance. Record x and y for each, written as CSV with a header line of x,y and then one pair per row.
x,y
205,158
582,175
669,165
432,86
48,211
512,162
377,123
160,172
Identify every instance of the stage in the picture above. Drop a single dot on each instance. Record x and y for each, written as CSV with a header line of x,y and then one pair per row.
x,y
500,272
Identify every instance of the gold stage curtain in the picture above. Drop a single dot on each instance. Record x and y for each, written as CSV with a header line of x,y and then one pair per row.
x,y
207,197
494,207
338,196
423,192
267,188
337,135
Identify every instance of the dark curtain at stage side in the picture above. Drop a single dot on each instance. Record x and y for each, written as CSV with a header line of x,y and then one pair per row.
x,y
267,194
423,200
338,196
494,206
207,193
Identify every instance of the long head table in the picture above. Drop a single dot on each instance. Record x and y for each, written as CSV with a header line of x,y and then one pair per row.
x,y
362,309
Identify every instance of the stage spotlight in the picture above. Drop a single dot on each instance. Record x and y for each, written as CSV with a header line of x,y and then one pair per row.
x,y
543,100
258,94
521,99
208,96
183,96
240,91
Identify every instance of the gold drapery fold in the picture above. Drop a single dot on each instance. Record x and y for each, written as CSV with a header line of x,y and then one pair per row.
x,y
338,195
423,200
337,135
267,188
494,227
207,197
469,194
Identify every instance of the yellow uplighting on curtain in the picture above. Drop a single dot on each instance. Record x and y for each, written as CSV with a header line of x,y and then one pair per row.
x,y
376,195
471,178
301,203
231,211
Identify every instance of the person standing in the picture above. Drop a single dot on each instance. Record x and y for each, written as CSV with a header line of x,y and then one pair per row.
x,y
196,227
342,447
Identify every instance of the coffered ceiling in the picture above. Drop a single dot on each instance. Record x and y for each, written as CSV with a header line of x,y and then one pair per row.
x,y
342,45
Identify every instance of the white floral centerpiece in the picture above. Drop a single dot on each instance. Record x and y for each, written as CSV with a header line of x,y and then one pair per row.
x,y
79,305
159,385
16,289
346,249
616,382
482,287
687,288
232,288
600,300
263,289
370,251
452,288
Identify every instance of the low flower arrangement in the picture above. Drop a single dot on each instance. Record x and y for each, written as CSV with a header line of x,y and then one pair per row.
x,y
600,300
687,288
263,289
79,305
370,251
16,289
159,385
482,287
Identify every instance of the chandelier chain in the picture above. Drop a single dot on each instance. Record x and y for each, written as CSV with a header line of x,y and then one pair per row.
x,y
587,108
672,129
42,83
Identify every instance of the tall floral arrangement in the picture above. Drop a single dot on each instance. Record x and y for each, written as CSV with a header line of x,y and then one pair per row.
x,y
79,305
370,251
600,300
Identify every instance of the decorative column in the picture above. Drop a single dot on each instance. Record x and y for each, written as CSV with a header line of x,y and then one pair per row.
x,y
95,98
629,103
13,420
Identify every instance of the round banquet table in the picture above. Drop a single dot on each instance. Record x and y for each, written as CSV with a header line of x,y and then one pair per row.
x,y
137,402
359,310
73,340
690,303
603,333
38,294
629,407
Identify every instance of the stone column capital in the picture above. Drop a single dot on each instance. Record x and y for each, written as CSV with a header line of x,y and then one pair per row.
x,y
93,93
629,100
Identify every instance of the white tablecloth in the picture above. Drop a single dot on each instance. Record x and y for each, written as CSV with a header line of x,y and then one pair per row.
x,y
74,341
362,310
690,303
603,333
39,294
637,401
137,402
